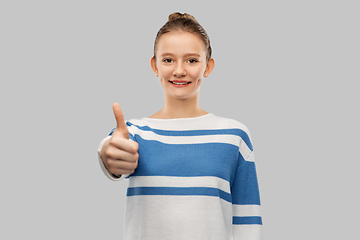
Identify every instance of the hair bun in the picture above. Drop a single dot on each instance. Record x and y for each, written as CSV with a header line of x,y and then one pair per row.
x,y
177,15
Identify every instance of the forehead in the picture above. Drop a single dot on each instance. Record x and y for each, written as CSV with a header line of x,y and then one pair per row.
x,y
180,42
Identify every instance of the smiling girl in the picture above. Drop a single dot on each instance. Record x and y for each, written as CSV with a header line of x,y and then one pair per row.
x,y
191,173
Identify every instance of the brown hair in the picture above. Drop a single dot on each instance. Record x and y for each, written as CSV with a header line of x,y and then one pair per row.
x,y
184,22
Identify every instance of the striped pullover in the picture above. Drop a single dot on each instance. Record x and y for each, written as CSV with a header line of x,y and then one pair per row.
x,y
196,179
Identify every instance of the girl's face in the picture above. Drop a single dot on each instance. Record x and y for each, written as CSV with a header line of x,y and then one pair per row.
x,y
181,64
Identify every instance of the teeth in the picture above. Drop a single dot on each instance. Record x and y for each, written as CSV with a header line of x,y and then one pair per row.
x,y
180,83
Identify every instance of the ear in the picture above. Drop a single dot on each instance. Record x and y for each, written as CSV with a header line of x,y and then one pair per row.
x,y
153,66
209,67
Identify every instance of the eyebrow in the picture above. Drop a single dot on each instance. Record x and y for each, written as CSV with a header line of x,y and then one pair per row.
x,y
186,55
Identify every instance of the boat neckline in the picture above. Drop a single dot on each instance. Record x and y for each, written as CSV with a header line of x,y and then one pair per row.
x,y
174,119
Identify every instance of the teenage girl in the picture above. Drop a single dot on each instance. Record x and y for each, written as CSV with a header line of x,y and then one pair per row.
x,y
191,174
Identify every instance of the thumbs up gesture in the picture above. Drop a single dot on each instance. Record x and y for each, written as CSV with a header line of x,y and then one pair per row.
x,y
119,154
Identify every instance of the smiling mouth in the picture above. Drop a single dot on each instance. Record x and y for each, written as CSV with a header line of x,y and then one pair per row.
x,y
179,82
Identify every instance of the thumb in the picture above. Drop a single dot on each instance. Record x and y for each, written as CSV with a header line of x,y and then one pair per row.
x,y
120,122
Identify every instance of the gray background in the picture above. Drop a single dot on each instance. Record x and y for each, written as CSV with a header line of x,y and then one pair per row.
x,y
286,69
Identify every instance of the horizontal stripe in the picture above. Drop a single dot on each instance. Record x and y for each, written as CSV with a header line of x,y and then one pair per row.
x,y
191,191
200,123
248,232
178,217
167,181
247,220
246,210
199,135
230,139
187,160
228,136
234,140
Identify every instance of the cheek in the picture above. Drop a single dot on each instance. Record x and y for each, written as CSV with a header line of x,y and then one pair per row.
x,y
163,77
196,74
198,82
164,72
162,81
198,70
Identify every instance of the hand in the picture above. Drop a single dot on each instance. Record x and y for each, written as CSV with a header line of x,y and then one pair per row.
x,y
119,154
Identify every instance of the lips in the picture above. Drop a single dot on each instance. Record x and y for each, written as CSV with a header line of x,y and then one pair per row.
x,y
179,83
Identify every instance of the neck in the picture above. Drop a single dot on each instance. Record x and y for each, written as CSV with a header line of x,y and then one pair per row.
x,y
180,108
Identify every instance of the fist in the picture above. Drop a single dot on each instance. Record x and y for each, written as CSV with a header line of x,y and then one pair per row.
x,y
119,154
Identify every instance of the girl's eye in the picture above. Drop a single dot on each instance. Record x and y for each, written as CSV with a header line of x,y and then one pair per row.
x,y
167,60
193,61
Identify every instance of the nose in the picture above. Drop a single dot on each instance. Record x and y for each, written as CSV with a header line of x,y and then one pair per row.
x,y
179,70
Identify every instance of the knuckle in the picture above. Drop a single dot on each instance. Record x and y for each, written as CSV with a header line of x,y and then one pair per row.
x,y
134,148
111,169
112,142
105,160
132,158
110,163
109,153
114,138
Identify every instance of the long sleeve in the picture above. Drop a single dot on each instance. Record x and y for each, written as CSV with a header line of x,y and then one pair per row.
x,y
102,166
247,220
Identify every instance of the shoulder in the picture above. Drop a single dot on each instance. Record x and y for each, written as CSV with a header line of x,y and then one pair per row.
x,y
237,128
229,123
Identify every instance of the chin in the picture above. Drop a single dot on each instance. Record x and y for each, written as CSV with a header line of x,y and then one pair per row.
x,y
183,96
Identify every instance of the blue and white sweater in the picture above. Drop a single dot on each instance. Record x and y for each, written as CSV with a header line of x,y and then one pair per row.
x,y
196,179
